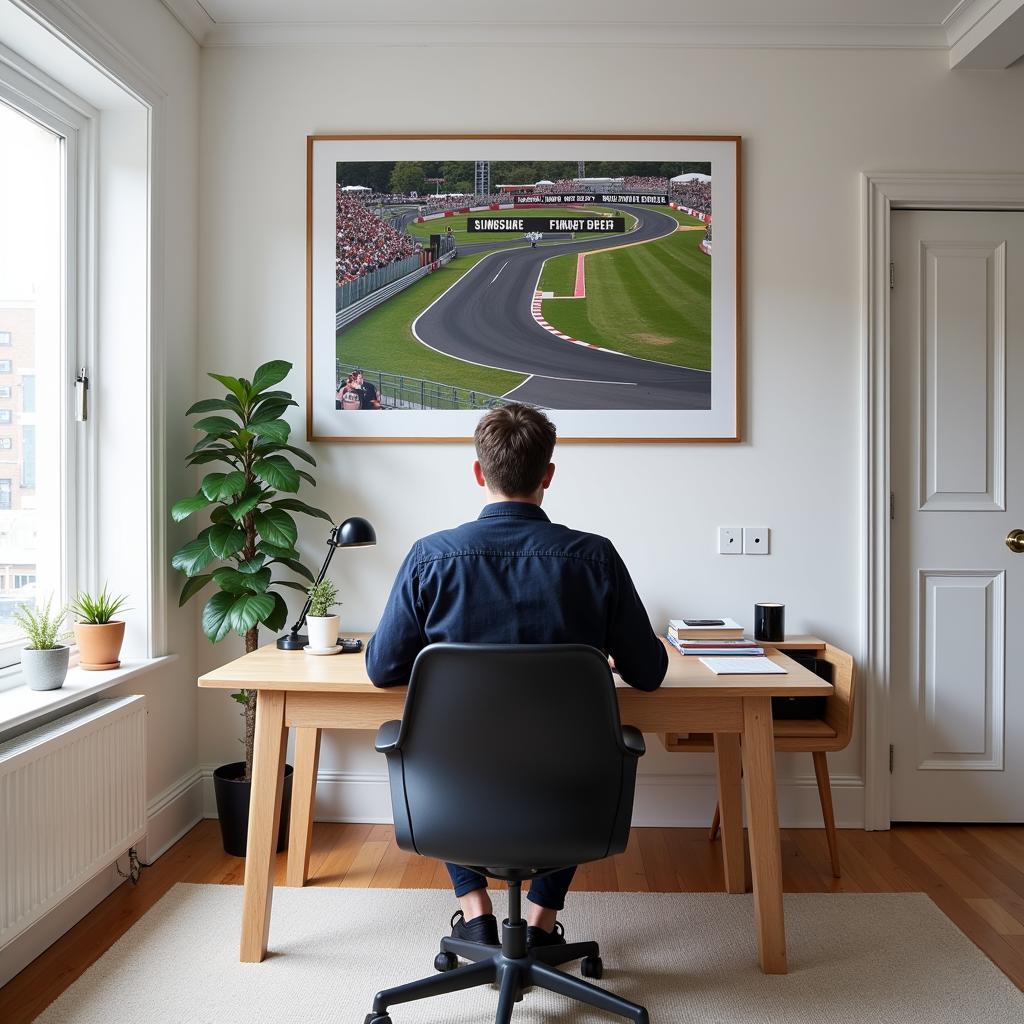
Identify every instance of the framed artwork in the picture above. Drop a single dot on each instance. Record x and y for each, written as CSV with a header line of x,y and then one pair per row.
x,y
595,277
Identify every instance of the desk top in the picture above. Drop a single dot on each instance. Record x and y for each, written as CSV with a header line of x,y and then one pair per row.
x,y
271,669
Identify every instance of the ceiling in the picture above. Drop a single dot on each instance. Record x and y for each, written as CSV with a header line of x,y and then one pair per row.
x,y
975,33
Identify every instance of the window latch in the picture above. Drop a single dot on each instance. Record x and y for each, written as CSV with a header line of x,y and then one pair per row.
x,y
82,396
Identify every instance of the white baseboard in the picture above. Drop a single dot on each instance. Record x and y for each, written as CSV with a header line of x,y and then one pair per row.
x,y
170,815
678,801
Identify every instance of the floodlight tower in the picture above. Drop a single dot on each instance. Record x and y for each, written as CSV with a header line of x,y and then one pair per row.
x,y
482,177
581,169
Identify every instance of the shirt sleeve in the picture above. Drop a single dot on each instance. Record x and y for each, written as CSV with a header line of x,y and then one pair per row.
x,y
640,657
399,637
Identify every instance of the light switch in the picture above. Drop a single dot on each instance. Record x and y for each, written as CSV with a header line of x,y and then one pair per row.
x,y
755,540
730,540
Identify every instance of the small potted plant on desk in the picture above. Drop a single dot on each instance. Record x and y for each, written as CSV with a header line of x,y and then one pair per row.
x,y
44,661
321,626
98,634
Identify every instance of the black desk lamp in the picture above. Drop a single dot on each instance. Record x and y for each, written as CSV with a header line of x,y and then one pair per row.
x,y
353,533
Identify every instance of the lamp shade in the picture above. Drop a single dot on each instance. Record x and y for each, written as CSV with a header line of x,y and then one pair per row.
x,y
355,532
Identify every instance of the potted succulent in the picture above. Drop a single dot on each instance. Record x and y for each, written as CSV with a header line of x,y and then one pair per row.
x,y
249,539
44,661
321,626
98,634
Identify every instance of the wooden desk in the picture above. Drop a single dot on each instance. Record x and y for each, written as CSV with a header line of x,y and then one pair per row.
x,y
310,694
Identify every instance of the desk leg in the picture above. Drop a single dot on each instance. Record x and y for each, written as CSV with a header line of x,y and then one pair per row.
x,y
730,803
264,816
763,822
300,834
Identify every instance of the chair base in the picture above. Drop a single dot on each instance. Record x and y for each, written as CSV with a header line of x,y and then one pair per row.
x,y
514,969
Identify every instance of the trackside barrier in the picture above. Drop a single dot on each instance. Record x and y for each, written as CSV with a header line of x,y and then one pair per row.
x,y
347,315
398,391
351,292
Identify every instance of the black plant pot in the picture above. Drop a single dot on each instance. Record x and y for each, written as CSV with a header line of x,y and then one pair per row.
x,y
233,807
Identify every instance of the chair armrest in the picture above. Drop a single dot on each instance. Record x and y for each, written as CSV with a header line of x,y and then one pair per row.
x,y
387,737
633,741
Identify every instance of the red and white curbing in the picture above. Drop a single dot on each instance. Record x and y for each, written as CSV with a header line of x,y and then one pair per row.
x,y
538,316
705,217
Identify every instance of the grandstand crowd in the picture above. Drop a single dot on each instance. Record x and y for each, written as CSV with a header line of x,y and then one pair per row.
x,y
695,193
364,242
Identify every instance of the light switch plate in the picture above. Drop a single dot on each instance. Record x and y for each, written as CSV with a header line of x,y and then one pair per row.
x,y
755,540
730,540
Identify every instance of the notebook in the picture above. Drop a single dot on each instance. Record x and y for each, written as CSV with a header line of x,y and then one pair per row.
x,y
743,666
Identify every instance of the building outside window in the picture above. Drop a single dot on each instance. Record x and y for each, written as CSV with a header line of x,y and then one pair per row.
x,y
37,189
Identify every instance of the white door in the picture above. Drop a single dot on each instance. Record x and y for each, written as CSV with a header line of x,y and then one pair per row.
x,y
957,710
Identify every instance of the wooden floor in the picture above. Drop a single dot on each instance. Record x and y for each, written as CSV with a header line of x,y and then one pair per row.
x,y
973,873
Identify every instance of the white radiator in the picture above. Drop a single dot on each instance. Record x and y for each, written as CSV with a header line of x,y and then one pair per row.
x,y
72,799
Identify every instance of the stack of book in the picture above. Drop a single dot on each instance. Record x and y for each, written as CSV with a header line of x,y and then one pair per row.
x,y
710,637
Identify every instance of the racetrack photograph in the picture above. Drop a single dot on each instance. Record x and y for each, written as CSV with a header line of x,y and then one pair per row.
x,y
568,285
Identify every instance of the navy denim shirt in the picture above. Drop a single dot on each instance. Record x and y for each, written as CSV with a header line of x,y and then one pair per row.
x,y
514,577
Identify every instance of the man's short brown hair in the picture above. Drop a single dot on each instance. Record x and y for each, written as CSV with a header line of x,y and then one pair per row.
x,y
514,446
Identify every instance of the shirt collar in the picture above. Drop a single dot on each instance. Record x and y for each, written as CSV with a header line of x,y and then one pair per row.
x,y
514,509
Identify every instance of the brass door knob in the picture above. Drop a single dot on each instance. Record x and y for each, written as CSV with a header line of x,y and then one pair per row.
x,y
1015,541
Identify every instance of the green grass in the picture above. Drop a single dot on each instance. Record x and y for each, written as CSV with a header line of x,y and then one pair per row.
x,y
383,338
463,237
651,300
559,275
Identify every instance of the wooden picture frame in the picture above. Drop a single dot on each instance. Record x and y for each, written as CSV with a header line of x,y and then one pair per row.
x,y
421,314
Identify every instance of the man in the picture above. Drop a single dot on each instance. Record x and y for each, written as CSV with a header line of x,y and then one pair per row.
x,y
368,397
514,577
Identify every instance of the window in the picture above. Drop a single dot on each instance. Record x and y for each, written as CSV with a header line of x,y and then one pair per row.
x,y
38,286
28,457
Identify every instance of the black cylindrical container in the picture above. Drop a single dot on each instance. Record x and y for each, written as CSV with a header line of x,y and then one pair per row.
x,y
770,622
233,807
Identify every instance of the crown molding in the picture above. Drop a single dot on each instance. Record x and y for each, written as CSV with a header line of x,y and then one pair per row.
x,y
986,33
192,16
552,34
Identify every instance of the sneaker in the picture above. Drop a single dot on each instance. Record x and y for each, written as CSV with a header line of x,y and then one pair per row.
x,y
538,937
481,929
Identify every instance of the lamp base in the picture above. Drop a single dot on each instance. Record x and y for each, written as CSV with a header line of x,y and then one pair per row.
x,y
292,642
298,642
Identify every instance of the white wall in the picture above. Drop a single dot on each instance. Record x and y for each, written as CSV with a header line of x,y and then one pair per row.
x,y
811,121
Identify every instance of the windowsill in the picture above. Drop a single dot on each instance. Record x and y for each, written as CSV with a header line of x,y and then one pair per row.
x,y
19,705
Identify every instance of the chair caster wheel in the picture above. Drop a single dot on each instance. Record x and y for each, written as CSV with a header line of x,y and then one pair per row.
x,y
444,962
377,1018
591,967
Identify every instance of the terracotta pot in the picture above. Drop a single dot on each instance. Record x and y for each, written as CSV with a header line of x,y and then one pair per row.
x,y
99,644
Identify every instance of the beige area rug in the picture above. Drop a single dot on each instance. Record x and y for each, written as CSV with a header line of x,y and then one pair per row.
x,y
858,958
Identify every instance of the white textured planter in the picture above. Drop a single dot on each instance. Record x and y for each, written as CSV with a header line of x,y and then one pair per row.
x,y
322,631
45,670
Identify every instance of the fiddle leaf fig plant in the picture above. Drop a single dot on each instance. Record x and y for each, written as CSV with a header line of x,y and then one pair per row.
x,y
249,500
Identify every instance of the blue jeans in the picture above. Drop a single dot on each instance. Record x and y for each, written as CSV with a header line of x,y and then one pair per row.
x,y
547,891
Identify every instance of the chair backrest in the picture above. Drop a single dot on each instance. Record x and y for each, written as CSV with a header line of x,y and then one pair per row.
x,y
512,756
839,708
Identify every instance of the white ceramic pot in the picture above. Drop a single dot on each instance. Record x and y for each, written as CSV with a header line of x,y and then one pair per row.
x,y
45,670
322,631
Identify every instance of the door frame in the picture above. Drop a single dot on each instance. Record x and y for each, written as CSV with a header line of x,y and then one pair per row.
x,y
881,193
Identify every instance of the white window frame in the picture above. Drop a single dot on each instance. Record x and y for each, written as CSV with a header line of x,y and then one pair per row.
x,y
33,94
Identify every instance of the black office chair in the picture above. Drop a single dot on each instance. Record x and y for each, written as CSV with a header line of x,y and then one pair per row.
x,y
510,759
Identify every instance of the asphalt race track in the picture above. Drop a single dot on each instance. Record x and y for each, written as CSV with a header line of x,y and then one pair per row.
x,y
485,318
